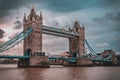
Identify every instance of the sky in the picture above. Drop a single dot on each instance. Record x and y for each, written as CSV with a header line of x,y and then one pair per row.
x,y
101,19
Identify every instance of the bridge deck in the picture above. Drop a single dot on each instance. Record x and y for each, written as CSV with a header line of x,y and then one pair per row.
x,y
101,60
58,32
27,57
15,57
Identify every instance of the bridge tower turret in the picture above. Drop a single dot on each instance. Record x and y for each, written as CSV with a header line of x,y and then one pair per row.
x,y
77,43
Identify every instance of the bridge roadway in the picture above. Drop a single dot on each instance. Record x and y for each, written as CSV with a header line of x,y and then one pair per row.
x,y
55,58
15,57
58,32
27,57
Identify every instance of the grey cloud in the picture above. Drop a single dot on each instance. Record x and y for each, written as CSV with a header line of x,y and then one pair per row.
x,y
110,20
73,5
18,24
1,33
110,26
70,5
113,3
107,17
117,18
61,6
7,5
55,44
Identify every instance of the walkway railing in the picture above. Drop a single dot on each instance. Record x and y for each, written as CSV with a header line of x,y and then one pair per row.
x,y
60,31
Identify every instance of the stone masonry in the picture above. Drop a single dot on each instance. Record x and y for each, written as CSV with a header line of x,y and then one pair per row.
x,y
76,44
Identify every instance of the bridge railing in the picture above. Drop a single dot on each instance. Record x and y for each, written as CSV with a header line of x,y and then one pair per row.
x,y
60,30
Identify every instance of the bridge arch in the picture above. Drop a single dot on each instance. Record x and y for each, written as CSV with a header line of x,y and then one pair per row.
x,y
28,52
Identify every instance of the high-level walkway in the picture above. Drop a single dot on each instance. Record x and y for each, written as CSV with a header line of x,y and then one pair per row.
x,y
58,32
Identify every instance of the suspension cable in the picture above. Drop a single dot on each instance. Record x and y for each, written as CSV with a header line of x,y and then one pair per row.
x,y
25,34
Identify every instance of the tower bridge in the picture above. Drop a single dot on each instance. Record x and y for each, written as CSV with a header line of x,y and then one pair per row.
x,y
34,41
32,36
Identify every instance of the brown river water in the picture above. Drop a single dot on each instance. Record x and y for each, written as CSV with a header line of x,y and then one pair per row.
x,y
11,72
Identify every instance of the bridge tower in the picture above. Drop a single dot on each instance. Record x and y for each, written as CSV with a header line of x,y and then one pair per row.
x,y
34,40
33,43
76,44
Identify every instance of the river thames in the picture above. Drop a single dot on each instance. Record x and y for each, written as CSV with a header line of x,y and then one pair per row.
x,y
11,72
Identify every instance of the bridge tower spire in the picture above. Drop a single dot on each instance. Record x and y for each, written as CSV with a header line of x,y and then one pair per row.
x,y
40,14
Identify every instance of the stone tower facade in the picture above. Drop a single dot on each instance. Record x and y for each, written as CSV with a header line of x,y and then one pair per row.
x,y
77,43
34,40
33,43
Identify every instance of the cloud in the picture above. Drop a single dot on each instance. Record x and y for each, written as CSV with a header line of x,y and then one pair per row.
x,y
10,7
109,20
102,45
1,33
71,5
109,25
54,44
7,5
117,18
114,17
112,3
18,24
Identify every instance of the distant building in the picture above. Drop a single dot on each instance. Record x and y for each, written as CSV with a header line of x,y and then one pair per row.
x,y
106,53
118,58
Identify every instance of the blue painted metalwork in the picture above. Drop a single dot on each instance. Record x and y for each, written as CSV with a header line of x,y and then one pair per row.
x,y
15,57
98,58
90,48
10,41
26,56
15,40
